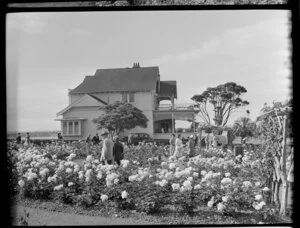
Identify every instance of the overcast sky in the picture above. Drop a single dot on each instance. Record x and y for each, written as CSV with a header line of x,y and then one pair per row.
x,y
47,53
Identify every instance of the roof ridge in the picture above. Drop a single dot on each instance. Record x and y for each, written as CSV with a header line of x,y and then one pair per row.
x,y
127,68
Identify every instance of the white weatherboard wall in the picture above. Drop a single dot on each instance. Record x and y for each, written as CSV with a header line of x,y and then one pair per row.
x,y
143,101
88,127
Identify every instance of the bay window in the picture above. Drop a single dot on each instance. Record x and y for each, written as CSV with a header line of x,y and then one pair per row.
x,y
71,128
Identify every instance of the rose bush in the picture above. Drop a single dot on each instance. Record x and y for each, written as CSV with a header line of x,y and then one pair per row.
x,y
147,180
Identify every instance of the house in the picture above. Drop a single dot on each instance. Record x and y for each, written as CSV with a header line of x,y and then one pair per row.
x,y
140,86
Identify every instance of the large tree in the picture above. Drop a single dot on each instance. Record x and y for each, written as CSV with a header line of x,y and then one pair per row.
x,y
224,99
120,116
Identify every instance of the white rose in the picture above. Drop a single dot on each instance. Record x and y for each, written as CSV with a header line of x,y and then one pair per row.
x,y
124,195
198,186
68,170
104,197
220,206
225,198
258,197
195,174
175,186
58,187
265,189
210,203
21,183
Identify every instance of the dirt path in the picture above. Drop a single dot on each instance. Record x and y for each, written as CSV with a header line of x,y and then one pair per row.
x,y
39,217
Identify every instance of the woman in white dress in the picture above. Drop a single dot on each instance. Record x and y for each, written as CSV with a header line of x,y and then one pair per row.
x,y
178,147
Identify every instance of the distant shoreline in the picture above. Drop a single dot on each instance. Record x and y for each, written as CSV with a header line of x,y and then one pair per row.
x,y
34,134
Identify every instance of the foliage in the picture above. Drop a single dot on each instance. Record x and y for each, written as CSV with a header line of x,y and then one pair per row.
x,y
244,127
224,99
275,127
221,182
120,116
12,150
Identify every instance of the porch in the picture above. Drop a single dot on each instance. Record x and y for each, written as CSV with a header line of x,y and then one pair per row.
x,y
164,118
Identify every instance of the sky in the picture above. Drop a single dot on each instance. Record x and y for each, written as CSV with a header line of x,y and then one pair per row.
x,y
49,53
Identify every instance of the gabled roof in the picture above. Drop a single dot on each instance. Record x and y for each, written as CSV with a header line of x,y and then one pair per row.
x,y
168,88
93,100
120,79
98,99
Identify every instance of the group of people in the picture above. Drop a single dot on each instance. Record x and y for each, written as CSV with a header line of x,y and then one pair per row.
x,y
112,150
176,145
27,139
95,140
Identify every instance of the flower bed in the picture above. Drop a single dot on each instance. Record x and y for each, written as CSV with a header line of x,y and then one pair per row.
x,y
222,183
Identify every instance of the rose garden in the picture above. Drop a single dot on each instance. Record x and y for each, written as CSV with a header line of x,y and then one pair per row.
x,y
216,186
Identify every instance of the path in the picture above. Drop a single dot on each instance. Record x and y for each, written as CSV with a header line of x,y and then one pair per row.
x,y
39,217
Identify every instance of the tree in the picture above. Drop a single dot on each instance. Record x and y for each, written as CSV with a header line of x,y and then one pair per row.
x,y
120,116
244,127
224,99
275,126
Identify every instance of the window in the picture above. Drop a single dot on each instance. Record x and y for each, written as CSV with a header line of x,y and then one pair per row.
x,y
76,128
128,97
65,128
124,97
131,97
71,128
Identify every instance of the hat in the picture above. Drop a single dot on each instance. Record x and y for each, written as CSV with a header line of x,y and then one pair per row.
x,y
191,136
104,133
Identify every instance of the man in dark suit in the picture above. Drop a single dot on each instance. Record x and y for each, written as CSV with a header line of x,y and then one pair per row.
x,y
118,151
18,138
96,139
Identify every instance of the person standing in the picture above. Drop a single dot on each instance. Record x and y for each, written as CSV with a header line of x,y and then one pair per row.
x,y
215,143
196,140
118,151
207,142
88,139
172,144
178,146
130,139
88,144
96,139
27,139
191,146
59,137
107,150
18,138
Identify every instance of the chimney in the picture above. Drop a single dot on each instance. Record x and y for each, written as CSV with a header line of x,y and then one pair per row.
x,y
136,65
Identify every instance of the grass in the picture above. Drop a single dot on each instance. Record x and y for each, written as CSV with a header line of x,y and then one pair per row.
x,y
168,215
